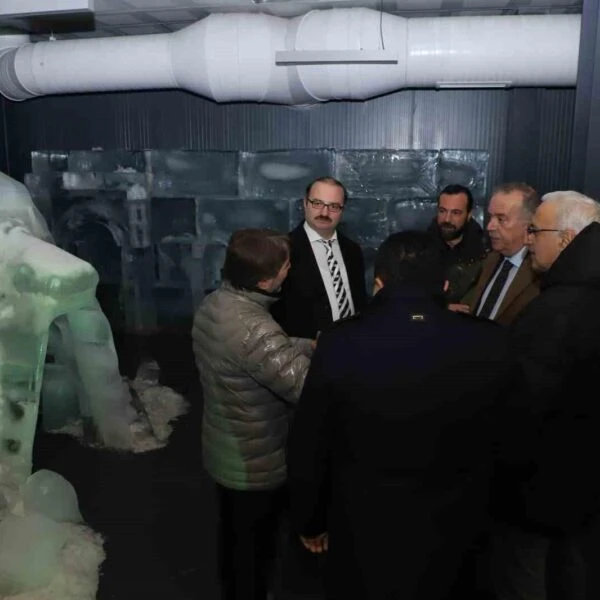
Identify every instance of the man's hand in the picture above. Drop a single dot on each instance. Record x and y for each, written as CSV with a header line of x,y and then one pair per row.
x,y
317,544
463,308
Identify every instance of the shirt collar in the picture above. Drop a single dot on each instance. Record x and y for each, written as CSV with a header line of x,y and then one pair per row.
x,y
517,259
313,236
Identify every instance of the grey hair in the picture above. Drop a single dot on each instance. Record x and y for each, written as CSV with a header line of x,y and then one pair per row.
x,y
573,210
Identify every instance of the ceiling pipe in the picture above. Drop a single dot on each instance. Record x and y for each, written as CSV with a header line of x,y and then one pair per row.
x,y
232,57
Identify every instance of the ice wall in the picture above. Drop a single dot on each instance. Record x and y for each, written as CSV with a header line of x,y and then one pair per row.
x,y
155,223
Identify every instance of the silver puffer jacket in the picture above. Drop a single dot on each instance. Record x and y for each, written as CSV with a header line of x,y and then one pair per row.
x,y
251,373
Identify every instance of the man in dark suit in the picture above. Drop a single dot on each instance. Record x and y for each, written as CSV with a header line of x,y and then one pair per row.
x,y
507,282
326,281
391,445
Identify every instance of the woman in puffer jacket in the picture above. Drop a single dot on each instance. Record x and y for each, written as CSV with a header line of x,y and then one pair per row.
x,y
252,374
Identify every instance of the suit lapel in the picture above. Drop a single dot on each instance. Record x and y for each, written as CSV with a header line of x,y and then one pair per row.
x,y
522,280
487,272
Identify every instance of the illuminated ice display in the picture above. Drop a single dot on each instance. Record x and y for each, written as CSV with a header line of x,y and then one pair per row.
x,y
155,223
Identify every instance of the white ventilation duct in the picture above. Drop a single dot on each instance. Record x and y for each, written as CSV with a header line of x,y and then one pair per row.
x,y
231,57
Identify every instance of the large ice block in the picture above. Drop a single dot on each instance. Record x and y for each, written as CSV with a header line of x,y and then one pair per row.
x,y
96,230
395,174
173,219
46,161
105,161
282,174
176,173
467,167
139,216
411,214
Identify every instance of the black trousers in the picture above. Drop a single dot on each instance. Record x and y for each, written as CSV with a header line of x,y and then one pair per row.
x,y
248,531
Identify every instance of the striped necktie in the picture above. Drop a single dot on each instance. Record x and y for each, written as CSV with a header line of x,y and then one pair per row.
x,y
338,283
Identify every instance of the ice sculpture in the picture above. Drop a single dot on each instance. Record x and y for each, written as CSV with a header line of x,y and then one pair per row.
x,y
44,287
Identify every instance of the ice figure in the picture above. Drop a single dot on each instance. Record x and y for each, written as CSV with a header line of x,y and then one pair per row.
x,y
44,287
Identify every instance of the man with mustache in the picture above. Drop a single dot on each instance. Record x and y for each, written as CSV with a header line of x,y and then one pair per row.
x,y
507,282
326,281
460,239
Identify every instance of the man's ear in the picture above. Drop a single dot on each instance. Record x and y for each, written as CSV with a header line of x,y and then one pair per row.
x,y
566,237
446,285
377,285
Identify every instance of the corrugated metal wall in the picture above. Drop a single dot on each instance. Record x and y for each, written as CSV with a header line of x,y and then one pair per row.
x,y
411,119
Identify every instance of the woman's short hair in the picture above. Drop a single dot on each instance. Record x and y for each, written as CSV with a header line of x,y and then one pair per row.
x,y
254,255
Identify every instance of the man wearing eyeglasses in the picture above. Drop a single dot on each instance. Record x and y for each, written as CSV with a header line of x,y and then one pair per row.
x,y
507,282
557,341
326,281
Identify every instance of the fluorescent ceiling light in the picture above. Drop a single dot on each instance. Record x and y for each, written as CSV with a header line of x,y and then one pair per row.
x,y
453,85
334,57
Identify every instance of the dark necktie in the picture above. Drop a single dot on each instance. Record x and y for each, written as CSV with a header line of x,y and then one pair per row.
x,y
338,284
486,310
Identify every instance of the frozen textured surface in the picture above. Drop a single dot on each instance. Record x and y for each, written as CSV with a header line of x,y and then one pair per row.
x,y
467,167
177,173
282,174
388,173
29,549
50,494
67,560
155,223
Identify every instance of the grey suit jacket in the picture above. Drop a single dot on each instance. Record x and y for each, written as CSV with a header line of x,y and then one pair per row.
x,y
523,288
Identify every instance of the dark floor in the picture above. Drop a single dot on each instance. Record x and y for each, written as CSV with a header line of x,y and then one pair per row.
x,y
156,510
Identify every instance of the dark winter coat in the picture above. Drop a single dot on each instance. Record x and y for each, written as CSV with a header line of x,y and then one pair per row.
x,y
557,340
463,261
392,443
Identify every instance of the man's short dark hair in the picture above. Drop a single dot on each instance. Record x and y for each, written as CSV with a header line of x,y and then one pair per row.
x,y
330,181
411,257
254,255
455,188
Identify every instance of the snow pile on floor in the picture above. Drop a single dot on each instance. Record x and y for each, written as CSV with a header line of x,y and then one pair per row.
x,y
77,567
159,404
46,553
157,407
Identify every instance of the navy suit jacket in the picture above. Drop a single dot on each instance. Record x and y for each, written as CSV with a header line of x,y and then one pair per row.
x,y
304,308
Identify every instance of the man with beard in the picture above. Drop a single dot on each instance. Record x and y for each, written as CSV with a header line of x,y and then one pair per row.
x,y
326,281
507,282
461,240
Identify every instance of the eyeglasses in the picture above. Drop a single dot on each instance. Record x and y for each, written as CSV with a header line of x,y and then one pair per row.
x,y
533,230
334,207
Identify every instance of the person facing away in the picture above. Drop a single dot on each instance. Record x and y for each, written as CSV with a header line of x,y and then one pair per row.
x,y
251,374
391,446
460,239
326,281
557,341
507,282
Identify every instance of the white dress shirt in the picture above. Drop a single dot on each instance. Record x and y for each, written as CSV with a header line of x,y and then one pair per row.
x,y
516,260
320,253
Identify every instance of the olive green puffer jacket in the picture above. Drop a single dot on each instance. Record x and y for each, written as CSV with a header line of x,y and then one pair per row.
x,y
251,374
